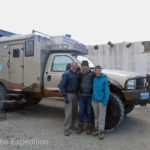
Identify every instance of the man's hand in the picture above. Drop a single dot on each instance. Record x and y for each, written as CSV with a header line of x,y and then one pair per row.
x,y
103,106
66,99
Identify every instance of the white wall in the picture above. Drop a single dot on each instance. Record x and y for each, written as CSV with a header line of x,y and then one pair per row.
x,y
120,57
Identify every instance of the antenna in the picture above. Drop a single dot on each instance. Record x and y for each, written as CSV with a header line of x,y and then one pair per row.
x,y
34,31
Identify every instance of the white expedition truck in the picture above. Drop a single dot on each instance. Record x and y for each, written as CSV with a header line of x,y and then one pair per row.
x,y
31,67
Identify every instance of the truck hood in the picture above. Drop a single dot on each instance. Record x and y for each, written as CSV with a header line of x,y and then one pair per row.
x,y
120,76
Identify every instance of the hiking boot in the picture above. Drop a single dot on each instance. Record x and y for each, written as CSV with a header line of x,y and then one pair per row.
x,y
66,132
80,129
96,132
89,129
101,135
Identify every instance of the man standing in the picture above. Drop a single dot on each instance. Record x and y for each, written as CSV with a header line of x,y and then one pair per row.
x,y
85,90
100,100
69,89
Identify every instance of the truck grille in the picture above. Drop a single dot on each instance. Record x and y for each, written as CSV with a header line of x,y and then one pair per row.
x,y
140,83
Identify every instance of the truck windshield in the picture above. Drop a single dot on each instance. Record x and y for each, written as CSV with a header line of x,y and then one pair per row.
x,y
81,58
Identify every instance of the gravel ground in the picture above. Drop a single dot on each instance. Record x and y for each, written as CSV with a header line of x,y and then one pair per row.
x,y
40,127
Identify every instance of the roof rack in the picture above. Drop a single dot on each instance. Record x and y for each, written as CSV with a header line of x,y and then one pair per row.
x,y
35,31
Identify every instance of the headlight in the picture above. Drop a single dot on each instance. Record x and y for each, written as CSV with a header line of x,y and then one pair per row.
x,y
130,84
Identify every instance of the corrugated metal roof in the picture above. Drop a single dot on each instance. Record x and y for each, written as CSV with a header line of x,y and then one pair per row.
x,y
5,33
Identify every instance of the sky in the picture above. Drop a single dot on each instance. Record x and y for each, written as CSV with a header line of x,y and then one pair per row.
x,y
88,21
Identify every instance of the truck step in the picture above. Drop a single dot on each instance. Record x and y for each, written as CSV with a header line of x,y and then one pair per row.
x,y
9,101
14,95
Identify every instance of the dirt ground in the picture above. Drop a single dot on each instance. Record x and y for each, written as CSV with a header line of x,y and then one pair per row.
x,y
40,127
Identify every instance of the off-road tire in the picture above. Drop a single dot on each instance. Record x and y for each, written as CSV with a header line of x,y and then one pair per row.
x,y
128,108
3,96
115,112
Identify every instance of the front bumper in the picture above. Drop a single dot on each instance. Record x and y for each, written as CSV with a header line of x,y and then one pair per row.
x,y
134,96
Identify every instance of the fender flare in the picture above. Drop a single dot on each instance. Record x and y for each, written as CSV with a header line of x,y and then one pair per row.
x,y
115,83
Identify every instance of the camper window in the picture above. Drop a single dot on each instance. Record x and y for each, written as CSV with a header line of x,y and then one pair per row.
x,y
29,48
16,53
60,63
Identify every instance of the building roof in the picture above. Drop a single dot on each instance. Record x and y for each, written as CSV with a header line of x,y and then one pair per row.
x,y
15,37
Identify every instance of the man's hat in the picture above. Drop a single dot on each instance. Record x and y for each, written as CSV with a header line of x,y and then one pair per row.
x,y
85,63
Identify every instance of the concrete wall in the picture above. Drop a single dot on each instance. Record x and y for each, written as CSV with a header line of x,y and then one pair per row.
x,y
133,57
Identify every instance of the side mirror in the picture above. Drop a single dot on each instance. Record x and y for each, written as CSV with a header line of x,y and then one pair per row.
x,y
68,66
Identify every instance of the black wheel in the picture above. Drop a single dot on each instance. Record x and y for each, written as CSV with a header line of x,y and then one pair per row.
x,y
3,93
128,108
31,100
115,112
3,96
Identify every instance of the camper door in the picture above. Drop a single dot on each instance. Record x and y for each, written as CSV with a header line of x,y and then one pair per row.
x,y
16,65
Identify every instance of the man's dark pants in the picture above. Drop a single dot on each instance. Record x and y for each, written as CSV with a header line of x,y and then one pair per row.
x,y
85,107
